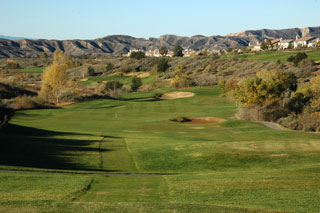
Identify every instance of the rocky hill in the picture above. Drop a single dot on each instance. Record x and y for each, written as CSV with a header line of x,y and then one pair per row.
x,y
285,34
122,44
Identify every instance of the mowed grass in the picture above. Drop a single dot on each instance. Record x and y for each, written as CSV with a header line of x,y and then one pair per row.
x,y
277,55
230,166
33,70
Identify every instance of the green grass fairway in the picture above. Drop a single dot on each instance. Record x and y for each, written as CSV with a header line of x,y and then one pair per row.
x,y
33,70
276,55
230,166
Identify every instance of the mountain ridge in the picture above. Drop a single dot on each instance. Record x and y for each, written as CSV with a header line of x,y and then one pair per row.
x,y
114,44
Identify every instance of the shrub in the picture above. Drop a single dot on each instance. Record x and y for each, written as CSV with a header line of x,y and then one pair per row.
x,y
163,65
12,65
91,71
177,51
138,55
125,68
43,55
109,66
297,58
290,122
21,102
163,51
113,85
309,121
135,83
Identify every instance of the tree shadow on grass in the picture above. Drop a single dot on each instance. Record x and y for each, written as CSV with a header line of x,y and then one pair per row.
x,y
141,99
35,148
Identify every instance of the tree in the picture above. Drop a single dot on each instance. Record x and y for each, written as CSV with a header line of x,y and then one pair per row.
x,y
163,51
91,71
55,77
138,55
114,86
264,45
135,83
296,59
109,66
163,65
266,88
177,51
229,49
43,55
181,78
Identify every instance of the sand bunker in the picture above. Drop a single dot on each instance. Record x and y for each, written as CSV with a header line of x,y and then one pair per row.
x,y
174,95
138,74
197,120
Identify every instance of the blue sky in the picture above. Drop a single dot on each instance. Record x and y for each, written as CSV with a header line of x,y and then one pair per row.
x,y
88,19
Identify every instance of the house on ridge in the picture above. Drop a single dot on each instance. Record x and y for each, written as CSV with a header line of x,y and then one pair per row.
x,y
285,44
303,42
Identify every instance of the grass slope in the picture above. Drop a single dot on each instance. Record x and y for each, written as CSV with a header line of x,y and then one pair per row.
x,y
232,166
277,55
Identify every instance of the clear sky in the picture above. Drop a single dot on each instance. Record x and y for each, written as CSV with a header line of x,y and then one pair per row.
x,y
88,19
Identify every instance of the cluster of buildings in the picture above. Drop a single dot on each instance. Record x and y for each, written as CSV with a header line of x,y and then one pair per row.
x,y
156,52
274,44
281,44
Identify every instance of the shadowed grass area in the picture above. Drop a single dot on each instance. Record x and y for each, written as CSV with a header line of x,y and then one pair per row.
x,y
228,166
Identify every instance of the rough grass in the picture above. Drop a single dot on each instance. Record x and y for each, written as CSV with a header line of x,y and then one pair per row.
x,y
230,166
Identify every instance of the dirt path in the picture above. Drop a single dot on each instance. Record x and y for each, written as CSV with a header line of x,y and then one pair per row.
x,y
272,125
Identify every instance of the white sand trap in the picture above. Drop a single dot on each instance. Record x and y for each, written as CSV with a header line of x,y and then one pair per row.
x,y
175,95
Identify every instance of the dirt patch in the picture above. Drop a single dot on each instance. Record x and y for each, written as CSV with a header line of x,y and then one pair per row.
x,y
174,95
278,155
83,79
197,120
140,75
196,154
144,75
197,127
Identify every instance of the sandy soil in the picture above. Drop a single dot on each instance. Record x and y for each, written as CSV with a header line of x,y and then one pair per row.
x,y
204,120
84,79
174,95
140,75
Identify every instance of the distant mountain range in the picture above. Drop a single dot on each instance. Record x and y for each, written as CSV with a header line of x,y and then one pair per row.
x,y
12,38
122,44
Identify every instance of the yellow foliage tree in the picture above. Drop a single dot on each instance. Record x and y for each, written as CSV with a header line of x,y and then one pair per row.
x,y
55,77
